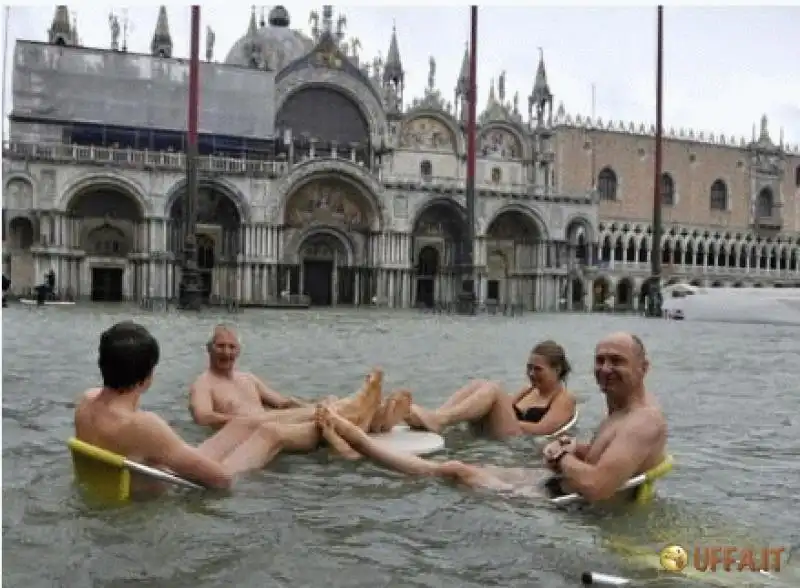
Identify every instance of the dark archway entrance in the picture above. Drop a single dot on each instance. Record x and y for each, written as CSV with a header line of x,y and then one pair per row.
x,y
106,221
218,240
321,254
577,294
515,241
624,297
601,290
427,270
438,229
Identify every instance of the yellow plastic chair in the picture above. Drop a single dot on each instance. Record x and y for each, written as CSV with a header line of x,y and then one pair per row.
x,y
643,483
107,475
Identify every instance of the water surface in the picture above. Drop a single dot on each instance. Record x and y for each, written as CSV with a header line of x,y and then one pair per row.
x,y
730,392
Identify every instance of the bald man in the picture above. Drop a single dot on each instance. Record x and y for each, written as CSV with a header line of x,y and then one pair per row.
x,y
631,439
222,393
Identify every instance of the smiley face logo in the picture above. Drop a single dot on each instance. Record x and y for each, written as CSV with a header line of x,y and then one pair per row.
x,y
673,558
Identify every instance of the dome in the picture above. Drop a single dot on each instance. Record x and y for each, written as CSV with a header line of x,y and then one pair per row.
x,y
280,45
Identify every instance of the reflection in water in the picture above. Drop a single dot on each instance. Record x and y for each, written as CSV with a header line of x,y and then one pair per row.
x,y
731,405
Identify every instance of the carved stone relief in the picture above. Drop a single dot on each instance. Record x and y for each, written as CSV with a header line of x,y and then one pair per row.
x,y
327,202
511,226
426,133
501,144
19,195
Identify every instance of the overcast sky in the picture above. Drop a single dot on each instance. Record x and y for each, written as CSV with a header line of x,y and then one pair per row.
x,y
724,66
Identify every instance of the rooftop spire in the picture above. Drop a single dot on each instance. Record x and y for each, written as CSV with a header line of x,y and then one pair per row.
x,y
161,45
60,32
393,69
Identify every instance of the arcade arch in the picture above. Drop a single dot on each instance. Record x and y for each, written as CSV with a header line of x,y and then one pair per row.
x,y
327,117
218,239
516,238
438,233
601,293
329,220
104,220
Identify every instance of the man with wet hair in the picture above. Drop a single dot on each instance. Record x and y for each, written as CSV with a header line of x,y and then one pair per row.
x,y
109,417
221,392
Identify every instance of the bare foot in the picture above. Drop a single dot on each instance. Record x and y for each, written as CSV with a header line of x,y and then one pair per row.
x,y
423,420
393,412
361,410
339,446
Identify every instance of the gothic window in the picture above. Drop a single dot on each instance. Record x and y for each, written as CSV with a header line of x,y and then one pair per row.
x,y
607,184
718,199
426,170
667,190
496,175
764,203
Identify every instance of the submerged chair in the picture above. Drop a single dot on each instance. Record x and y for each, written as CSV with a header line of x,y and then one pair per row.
x,y
107,475
566,428
643,484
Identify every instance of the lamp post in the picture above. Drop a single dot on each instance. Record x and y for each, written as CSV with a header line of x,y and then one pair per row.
x,y
467,298
654,291
190,293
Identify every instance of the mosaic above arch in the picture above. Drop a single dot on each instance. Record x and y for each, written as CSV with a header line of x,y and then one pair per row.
x,y
425,132
501,143
329,201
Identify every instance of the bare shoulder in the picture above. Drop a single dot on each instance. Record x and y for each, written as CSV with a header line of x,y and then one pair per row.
x,y
648,420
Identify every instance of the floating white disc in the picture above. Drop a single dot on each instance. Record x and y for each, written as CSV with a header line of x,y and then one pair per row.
x,y
404,439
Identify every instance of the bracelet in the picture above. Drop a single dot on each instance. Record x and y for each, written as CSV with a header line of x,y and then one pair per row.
x,y
556,462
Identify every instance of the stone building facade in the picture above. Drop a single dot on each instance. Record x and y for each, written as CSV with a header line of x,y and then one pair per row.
x,y
334,185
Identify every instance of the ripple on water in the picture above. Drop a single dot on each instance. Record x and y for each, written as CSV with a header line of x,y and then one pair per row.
x,y
312,520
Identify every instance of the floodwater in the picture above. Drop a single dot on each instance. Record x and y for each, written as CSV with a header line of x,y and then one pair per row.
x,y
731,393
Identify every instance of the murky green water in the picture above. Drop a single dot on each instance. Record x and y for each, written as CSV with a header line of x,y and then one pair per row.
x,y
731,392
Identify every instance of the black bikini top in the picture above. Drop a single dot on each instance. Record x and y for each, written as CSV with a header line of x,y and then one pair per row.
x,y
534,414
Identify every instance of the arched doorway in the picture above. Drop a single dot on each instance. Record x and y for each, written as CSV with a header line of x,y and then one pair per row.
x,y
624,295
334,215
320,256
218,239
577,294
577,233
106,219
497,267
601,291
516,236
439,226
427,270
326,117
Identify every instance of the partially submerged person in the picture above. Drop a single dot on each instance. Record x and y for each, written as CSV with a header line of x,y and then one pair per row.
x,y
109,417
542,408
631,439
222,392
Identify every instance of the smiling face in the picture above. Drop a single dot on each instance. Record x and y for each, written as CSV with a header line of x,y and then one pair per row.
x,y
620,365
223,350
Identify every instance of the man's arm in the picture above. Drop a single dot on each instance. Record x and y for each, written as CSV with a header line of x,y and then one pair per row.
x,y
621,461
273,399
160,444
201,405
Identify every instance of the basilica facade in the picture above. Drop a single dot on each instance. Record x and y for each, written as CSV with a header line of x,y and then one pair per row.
x,y
334,185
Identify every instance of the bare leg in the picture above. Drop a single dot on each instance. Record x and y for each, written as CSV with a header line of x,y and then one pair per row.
x,y
365,404
410,464
338,445
463,392
487,403
393,412
229,437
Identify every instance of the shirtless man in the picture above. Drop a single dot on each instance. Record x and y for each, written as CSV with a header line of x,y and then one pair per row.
x,y
630,441
222,393
109,417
